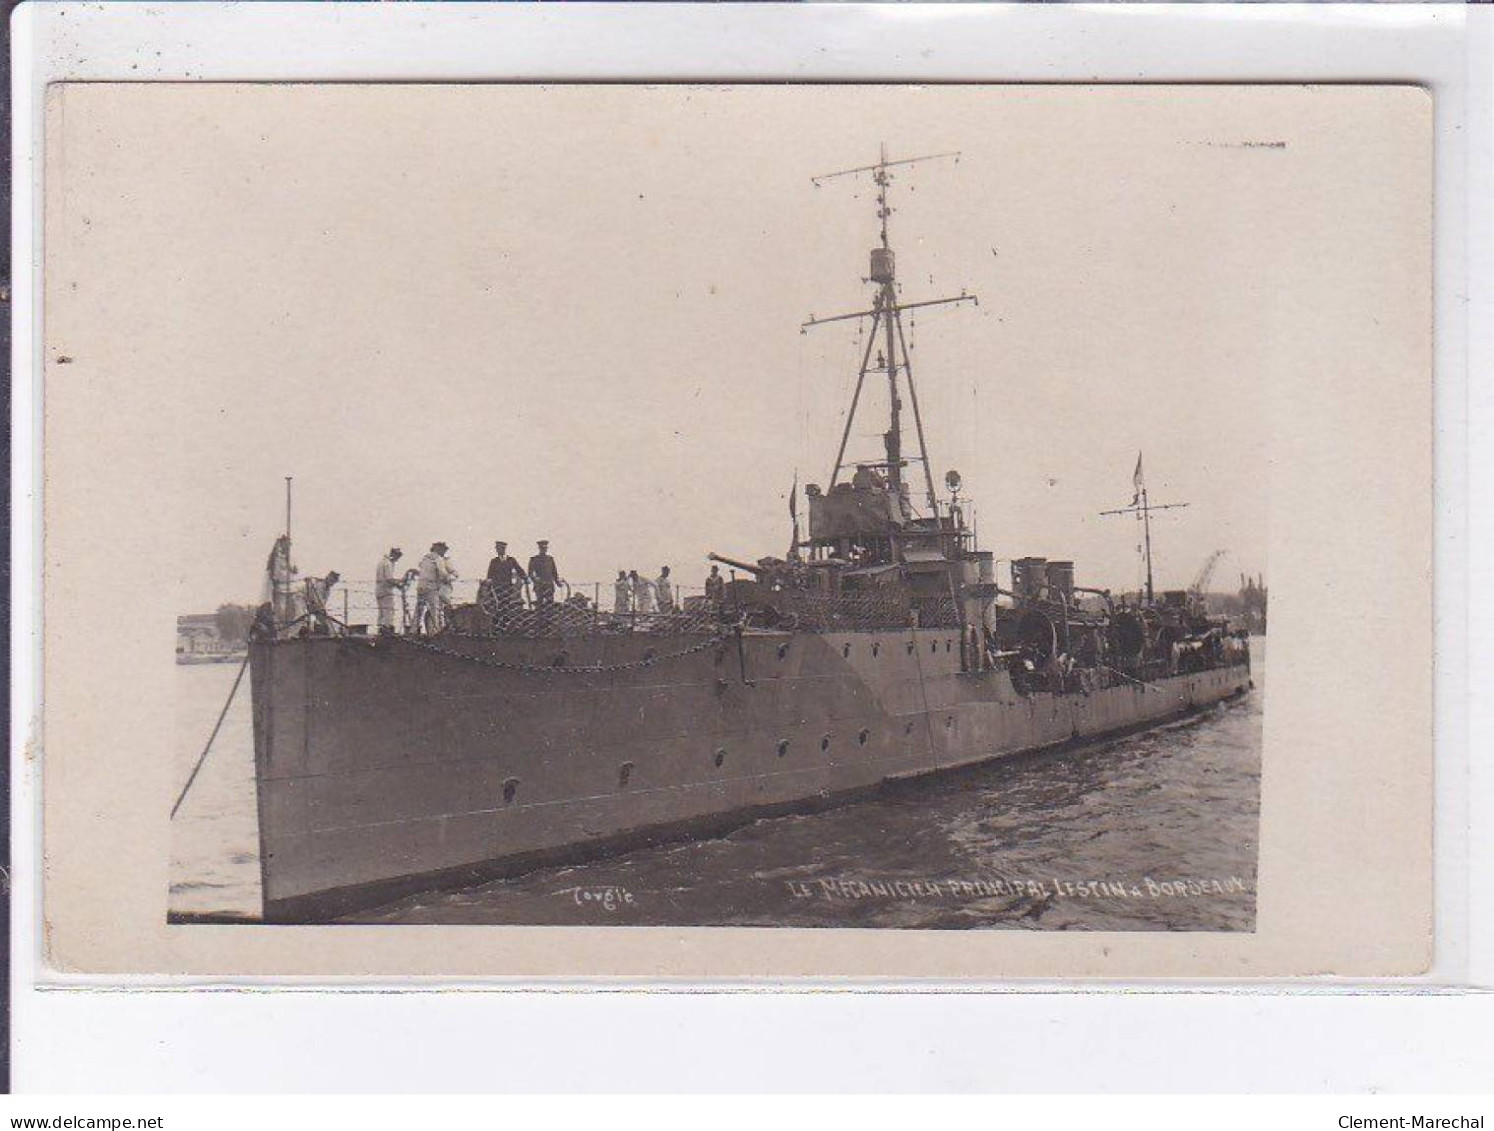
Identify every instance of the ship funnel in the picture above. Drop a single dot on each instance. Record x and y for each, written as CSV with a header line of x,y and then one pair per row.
x,y
1029,575
1061,578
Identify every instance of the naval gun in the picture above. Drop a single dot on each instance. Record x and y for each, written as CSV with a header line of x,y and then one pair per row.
x,y
755,570
773,574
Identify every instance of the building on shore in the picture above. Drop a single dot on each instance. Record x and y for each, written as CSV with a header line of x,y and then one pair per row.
x,y
200,640
1253,603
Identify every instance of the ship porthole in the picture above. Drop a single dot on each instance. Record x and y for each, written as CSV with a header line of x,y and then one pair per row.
x,y
782,747
510,791
910,647
720,758
863,736
782,651
825,743
624,775
876,648
845,650
933,646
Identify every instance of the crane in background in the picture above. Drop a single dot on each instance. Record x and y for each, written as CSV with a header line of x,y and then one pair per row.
x,y
1205,575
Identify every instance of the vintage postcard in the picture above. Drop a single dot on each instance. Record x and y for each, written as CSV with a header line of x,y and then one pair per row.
x,y
746,531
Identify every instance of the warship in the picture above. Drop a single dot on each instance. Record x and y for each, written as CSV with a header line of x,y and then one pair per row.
x,y
881,648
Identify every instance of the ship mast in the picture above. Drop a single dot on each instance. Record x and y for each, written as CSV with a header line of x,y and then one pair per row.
x,y
886,314
1142,508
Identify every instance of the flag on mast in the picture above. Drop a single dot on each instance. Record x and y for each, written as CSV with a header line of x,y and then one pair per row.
x,y
1137,481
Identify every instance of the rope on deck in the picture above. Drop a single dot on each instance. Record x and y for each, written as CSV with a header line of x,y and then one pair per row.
x,y
1129,679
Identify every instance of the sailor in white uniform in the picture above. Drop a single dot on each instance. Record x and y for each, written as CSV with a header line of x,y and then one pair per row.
x,y
386,583
433,589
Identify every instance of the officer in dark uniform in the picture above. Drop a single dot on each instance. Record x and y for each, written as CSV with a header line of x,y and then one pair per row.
x,y
544,575
505,576
715,588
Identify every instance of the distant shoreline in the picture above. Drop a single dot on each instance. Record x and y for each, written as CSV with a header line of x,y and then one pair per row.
x,y
214,658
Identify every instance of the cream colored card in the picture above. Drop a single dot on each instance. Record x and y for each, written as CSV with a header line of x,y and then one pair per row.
x,y
573,313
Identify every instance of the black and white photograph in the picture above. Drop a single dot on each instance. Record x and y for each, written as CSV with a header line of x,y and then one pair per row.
x,y
723,506
929,609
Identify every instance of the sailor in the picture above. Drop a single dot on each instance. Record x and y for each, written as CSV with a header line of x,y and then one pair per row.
x,y
622,593
505,576
447,590
664,591
544,574
386,583
264,623
715,587
433,576
643,592
1089,649
318,591
285,601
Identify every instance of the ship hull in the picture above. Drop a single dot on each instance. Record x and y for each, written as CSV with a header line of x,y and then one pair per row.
x,y
388,765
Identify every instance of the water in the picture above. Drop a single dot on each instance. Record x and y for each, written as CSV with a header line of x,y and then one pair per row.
x,y
215,834
1156,831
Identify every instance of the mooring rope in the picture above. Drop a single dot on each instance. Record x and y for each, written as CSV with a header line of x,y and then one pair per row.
x,y
223,714
1139,683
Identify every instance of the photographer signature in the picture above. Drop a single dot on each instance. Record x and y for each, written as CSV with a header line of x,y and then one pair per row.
x,y
609,898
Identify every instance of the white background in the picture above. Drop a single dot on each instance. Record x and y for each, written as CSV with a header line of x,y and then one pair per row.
x,y
1304,1038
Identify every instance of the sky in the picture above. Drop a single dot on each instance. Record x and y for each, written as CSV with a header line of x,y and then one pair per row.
x,y
574,313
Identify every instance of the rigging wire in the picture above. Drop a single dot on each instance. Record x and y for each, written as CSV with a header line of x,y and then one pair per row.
x,y
845,368
799,443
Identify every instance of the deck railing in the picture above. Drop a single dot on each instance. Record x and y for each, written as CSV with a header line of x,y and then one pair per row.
x,y
471,607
